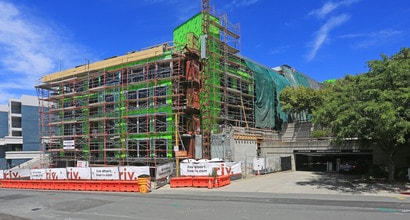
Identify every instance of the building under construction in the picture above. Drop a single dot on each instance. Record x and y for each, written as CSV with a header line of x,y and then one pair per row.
x,y
142,107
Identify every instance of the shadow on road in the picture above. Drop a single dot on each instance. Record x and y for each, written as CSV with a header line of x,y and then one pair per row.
x,y
353,184
4,216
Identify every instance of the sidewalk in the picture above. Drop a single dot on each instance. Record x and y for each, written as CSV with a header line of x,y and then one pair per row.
x,y
301,182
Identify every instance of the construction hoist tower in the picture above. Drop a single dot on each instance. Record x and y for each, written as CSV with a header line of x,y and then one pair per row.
x,y
206,116
226,83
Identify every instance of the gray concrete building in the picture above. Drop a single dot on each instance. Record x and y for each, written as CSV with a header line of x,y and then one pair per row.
x,y
19,128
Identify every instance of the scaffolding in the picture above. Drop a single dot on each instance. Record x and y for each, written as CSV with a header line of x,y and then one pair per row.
x,y
137,109
123,114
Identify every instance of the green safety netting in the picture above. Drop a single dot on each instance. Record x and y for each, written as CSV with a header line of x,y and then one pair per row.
x,y
268,85
264,103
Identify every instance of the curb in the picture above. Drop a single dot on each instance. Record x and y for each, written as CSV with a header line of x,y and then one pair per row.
x,y
406,192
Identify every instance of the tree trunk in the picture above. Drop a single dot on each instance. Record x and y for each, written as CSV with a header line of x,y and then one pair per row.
x,y
390,167
390,150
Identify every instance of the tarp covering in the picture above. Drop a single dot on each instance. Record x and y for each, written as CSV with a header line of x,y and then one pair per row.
x,y
264,95
294,77
268,85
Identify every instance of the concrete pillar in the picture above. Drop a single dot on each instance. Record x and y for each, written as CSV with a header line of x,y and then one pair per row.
x,y
310,162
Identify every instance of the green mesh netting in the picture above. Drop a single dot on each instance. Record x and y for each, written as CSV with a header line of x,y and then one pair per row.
x,y
269,84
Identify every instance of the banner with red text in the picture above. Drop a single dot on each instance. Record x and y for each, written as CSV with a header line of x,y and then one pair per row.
x,y
78,173
16,174
205,168
48,174
132,172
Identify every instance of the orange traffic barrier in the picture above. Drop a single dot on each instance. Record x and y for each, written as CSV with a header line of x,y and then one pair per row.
x,y
128,186
23,184
61,185
35,184
77,185
134,186
48,185
19,184
12,184
111,186
5,184
9,184
71,186
80,185
201,181
223,180
91,185
41,185
181,182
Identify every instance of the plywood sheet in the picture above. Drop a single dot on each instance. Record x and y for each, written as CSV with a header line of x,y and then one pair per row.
x,y
139,55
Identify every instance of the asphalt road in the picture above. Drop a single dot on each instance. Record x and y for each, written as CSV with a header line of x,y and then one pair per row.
x,y
23,204
277,196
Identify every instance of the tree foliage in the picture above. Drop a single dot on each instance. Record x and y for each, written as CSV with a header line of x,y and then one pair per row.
x,y
374,106
371,107
298,99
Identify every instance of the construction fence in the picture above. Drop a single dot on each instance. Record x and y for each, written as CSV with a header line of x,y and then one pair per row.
x,y
115,179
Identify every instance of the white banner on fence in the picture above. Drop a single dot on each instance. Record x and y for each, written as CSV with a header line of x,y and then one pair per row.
x,y
227,168
56,174
38,174
132,172
164,170
16,174
259,163
78,173
205,168
236,168
82,163
1,174
104,173
195,169
48,174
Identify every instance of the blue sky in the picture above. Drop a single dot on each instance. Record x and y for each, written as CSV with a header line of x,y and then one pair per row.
x,y
323,39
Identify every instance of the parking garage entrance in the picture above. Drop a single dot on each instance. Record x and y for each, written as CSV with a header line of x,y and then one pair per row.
x,y
329,160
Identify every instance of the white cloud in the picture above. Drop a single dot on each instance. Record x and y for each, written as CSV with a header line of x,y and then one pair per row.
x,y
4,97
322,34
187,10
239,3
378,34
244,3
369,39
183,9
328,7
30,48
279,50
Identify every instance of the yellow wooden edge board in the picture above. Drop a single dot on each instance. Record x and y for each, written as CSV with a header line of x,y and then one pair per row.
x,y
245,137
139,55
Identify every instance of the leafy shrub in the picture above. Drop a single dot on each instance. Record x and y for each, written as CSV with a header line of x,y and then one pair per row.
x,y
320,134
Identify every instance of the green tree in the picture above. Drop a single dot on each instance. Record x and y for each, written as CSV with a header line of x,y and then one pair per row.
x,y
295,100
372,107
